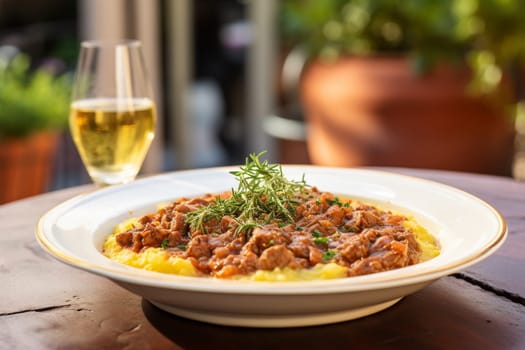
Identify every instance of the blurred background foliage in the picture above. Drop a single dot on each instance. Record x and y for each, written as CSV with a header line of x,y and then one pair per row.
x,y
485,35
31,99
38,48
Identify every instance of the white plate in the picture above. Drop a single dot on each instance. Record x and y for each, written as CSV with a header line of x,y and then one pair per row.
x,y
467,228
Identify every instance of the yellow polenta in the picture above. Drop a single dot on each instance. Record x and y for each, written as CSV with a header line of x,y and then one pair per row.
x,y
156,259
151,259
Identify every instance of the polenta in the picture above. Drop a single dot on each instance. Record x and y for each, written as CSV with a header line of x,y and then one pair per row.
x,y
270,229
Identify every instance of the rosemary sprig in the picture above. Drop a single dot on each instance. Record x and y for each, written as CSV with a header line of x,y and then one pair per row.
x,y
263,195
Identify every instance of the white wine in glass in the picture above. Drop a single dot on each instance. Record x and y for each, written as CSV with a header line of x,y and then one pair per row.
x,y
112,119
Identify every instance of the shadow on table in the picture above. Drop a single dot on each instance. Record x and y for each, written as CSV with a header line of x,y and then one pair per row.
x,y
191,334
430,319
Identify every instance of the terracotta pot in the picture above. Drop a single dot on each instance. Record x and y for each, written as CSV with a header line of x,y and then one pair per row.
x,y
26,165
377,112
289,135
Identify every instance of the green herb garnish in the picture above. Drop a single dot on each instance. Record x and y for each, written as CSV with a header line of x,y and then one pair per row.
x,y
164,243
351,229
321,240
263,195
329,255
181,246
316,233
334,201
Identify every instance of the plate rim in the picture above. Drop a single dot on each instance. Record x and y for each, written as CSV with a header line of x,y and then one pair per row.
x,y
358,283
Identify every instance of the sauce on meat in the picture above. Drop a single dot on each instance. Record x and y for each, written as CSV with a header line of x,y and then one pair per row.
x,y
349,237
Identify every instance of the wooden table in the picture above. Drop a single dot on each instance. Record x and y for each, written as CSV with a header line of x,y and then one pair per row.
x,y
45,304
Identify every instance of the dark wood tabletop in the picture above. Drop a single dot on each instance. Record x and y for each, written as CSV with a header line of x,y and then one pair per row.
x,y
45,304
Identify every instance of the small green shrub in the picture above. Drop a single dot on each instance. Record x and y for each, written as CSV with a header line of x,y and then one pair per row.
x,y
31,101
486,35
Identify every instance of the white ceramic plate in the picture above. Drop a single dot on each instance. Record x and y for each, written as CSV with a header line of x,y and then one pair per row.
x,y
467,228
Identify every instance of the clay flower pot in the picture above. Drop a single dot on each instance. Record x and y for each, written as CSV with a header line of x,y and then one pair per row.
x,y
26,165
378,112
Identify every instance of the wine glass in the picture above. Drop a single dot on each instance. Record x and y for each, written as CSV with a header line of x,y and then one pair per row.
x,y
112,117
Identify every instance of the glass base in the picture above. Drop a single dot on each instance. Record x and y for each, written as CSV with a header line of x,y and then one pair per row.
x,y
106,178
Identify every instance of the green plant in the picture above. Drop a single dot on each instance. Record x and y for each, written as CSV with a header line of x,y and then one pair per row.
x,y
263,194
486,35
31,100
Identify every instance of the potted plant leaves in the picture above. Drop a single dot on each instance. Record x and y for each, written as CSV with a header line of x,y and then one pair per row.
x,y
34,106
421,83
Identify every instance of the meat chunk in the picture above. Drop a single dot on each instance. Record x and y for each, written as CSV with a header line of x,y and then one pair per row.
x,y
362,219
336,214
315,255
300,243
124,239
276,256
199,247
178,222
263,238
153,237
353,248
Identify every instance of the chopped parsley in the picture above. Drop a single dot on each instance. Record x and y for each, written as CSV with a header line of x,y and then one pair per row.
x,y
164,243
321,240
334,201
329,255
